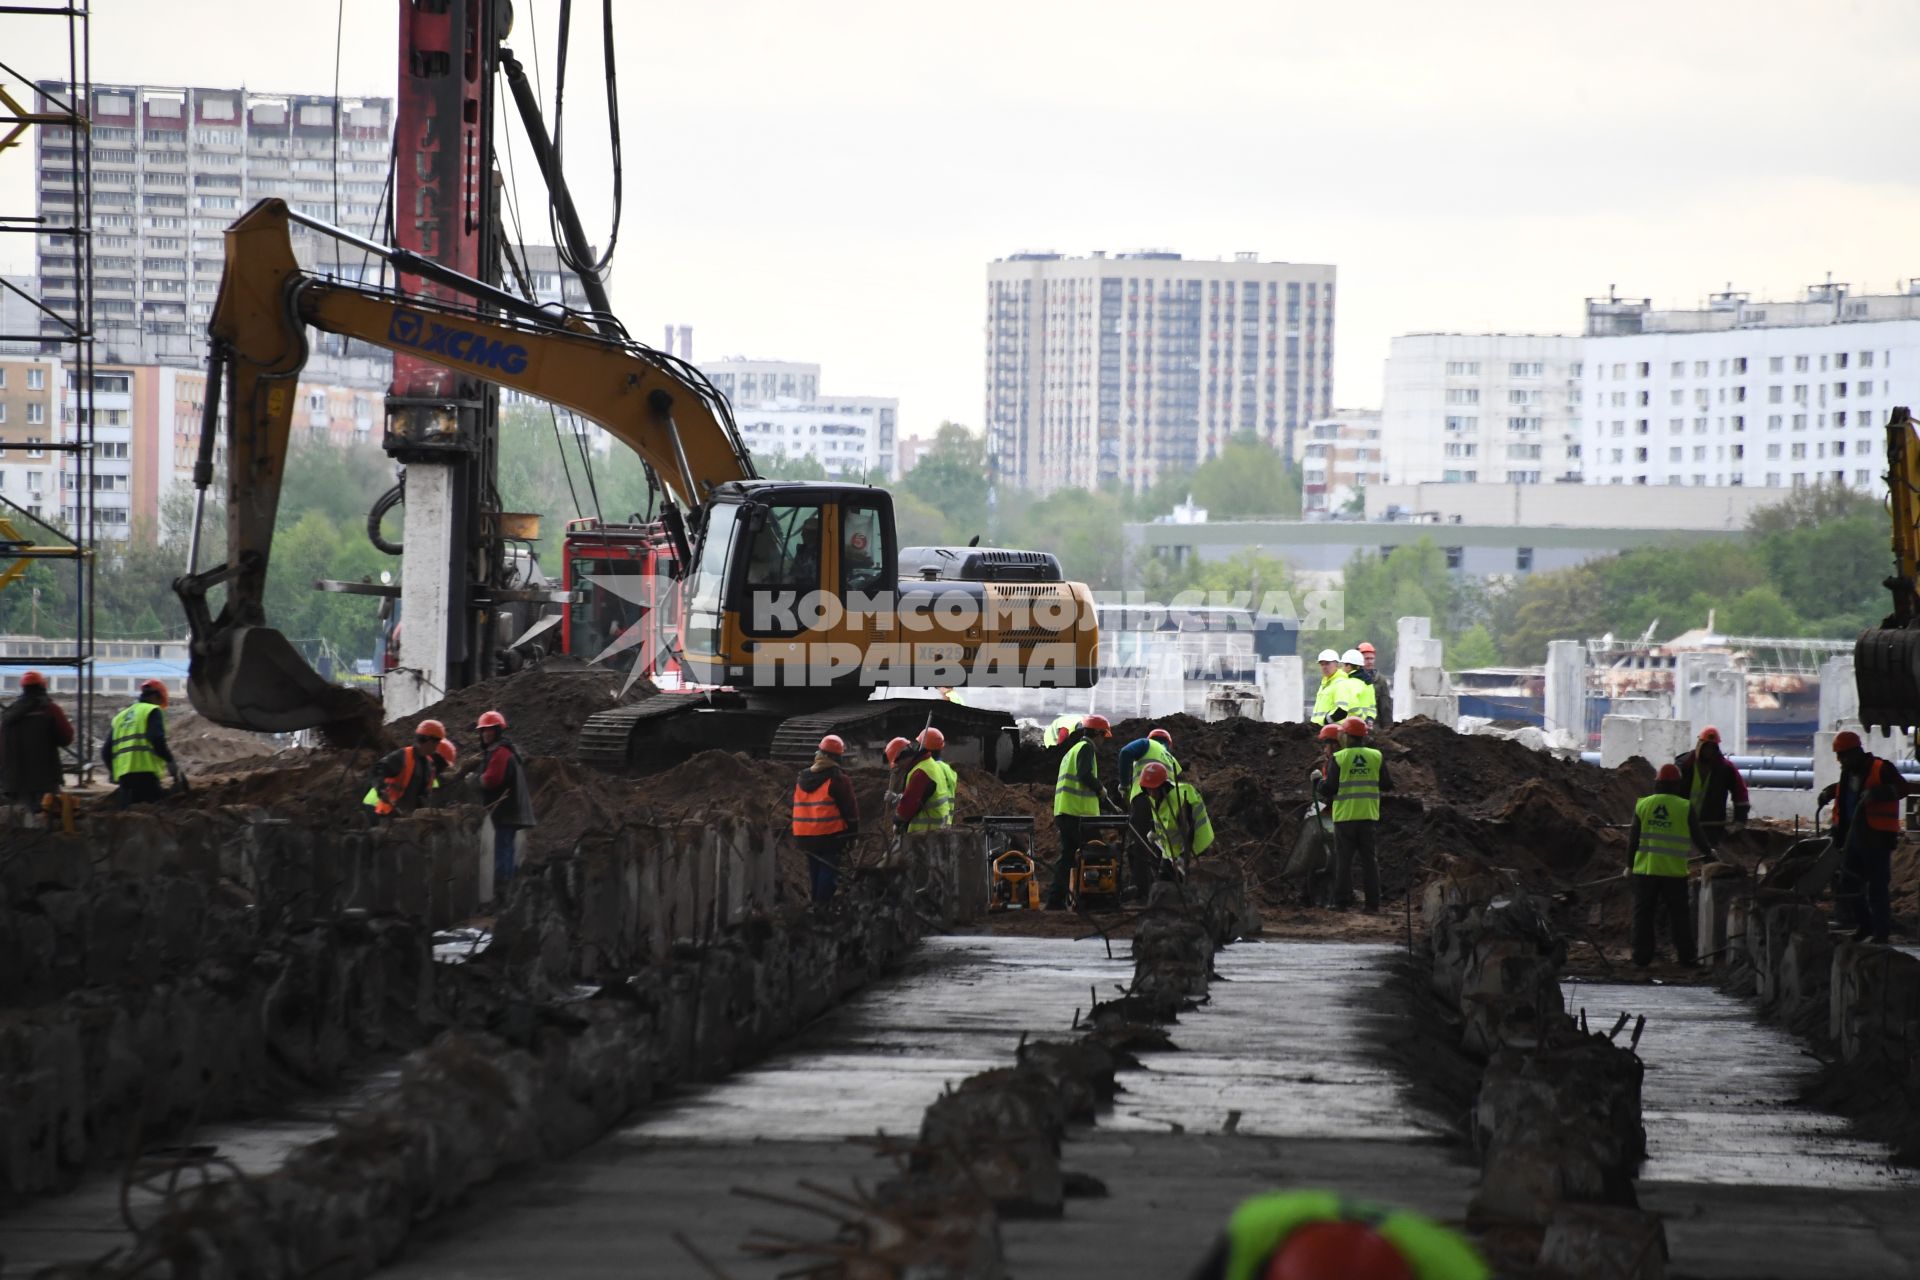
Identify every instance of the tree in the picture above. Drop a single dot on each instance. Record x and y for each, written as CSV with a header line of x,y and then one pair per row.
x,y
1084,529
1412,581
1474,648
1248,480
951,478
790,466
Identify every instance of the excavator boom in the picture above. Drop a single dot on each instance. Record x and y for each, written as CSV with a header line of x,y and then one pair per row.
x,y
1886,659
243,673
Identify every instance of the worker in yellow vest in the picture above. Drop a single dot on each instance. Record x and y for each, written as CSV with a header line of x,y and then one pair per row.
x,y
932,787
136,748
1355,689
1356,776
1076,795
1179,816
1326,707
1134,758
1061,728
1665,833
1317,1235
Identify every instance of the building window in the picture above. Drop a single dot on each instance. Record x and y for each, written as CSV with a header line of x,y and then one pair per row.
x,y
1463,368
36,413
36,379
1700,368
1739,452
3,412
1865,388
1860,477
1673,454
1799,422
1643,369
1839,448
1676,425
1699,453
1678,369
1799,450
1463,395
1840,360
1455,556
1639,455
33,447
1640,427
1523,424
1800,364
1526,369
1523,559
1463,424
1866,359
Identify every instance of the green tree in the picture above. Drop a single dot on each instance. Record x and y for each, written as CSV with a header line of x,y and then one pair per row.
x,y
1412,581
1473,648
1084,529
1249,479
951,478
798,466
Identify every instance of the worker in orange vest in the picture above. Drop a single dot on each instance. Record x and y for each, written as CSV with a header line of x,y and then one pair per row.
x,y
404,780
826,817
1866,826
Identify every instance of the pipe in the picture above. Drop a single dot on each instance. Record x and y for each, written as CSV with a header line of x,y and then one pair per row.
x,y
203,462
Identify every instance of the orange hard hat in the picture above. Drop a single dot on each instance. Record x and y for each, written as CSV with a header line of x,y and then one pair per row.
x,y
154,686
33,680
1710,734
491,720
1337,1251
1845,740
1097,724
894,749
1668,773
1364,647
430,729
833,745
1329,733
1160,735
1354,727
1154,776
931,739
447,751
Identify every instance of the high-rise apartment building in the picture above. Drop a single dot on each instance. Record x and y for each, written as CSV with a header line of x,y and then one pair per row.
x,y
172,167
1748,393
1339,458
1120,370
1482,407
781,412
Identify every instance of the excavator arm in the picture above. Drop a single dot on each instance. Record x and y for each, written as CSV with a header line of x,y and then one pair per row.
x,y
243,673
1886,659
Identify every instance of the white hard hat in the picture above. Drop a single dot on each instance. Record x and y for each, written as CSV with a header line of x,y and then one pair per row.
x,y
1352,658
1327,655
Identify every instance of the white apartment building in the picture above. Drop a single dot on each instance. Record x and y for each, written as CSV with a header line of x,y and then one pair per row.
x,y
781,411
1339,457
1748,393
1480,408
172,167
1122,369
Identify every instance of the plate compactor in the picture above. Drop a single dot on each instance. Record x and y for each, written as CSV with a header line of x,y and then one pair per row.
x,y
1095,878
1015,871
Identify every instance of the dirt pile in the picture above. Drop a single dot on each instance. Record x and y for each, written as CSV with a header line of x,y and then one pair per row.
x,y
203,746
544,708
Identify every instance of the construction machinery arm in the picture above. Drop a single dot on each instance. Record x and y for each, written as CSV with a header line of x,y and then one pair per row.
x,y
1886,659
248,676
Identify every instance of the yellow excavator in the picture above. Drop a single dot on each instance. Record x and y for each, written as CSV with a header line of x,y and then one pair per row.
x,y
799,604
1886,659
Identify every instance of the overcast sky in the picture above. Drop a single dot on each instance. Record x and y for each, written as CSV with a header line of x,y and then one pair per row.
x,y
826,181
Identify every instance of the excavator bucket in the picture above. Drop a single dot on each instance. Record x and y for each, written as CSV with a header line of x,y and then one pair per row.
x,y
250,677
1886,670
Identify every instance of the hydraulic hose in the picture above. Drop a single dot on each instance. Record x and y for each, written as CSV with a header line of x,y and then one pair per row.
x,y
383,504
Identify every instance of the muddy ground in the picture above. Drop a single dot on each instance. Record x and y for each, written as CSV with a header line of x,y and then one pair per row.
x,y
1555,825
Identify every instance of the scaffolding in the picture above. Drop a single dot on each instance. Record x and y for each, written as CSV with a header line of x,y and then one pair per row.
x,y
54,111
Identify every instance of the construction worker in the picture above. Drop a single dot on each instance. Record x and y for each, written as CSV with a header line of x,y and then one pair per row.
x,y
1355,691
826,817
1325,709
1664,833
136,747
1179,815
1317,1235
1356,776
1076,795
1711,781
1134,757
896,781
1866,826
1382,693
507,793
1061,729
404,780
1319,886
932,786
33,729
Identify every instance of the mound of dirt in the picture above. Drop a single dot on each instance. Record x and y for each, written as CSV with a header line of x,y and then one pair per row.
x,y
544,707
203,746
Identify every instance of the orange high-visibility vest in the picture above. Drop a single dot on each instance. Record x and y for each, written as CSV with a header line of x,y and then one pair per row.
x,y
1881,815
814,812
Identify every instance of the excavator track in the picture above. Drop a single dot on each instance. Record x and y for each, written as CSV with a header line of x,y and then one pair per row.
x,y
667,728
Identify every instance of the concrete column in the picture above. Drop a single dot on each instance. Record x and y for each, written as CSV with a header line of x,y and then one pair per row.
x,y
1640,707
1411,631
425,622
1166,679
1566,704
1710,690
1283,688
1839,696
1441,708
1656,741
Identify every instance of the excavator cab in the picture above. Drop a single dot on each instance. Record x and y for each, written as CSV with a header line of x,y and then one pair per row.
x,y
1886,659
